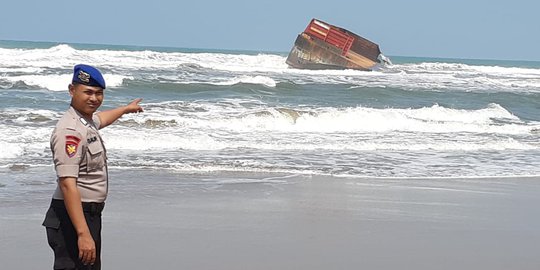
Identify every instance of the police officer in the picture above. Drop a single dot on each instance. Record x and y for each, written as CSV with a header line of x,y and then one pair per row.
x,y
73,221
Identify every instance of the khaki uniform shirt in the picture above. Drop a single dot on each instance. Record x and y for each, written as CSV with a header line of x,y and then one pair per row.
x,y
78,152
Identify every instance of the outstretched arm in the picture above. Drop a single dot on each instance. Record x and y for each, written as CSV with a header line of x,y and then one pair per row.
x,y
108,117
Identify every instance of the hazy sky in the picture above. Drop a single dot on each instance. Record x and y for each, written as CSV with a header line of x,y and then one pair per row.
x,y
485,29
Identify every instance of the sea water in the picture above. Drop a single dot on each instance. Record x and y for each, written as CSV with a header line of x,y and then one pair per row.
x,y
241,111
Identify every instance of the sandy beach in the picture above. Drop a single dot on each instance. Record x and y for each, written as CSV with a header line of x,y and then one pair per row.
x,y
166,220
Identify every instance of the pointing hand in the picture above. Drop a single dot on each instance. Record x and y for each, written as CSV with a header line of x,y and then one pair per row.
x,y
134,106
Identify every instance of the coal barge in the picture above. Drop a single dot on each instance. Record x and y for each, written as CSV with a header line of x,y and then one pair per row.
x,y
325,46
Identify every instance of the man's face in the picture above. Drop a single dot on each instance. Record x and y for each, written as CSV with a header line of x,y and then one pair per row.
x,y
85,99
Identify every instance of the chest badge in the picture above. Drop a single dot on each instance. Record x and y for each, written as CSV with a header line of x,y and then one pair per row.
x,y
72,143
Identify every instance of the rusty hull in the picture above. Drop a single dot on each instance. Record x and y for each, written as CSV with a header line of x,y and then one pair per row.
x,y
311,52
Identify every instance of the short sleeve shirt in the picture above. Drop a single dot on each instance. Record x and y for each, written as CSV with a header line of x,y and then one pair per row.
x,y
78,152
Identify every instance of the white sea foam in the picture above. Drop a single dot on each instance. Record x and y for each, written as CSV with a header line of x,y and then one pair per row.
x,y
211,126
241,63
271,69
21,69
465,77
61,82
356,129
23,141
63,56
162,141
9,150
435,119
251,80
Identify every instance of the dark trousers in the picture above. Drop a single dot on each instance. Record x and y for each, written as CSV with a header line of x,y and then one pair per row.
x,y
62,236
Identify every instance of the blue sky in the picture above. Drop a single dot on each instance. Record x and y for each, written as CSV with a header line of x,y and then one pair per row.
x,y
479,29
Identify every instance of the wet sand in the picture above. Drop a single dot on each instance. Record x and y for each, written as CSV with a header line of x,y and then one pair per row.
x,y
163,220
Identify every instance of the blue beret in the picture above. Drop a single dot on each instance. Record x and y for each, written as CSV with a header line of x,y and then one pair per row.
x,y
88,75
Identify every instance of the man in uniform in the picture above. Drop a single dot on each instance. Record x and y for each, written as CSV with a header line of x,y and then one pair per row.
x,y
73,221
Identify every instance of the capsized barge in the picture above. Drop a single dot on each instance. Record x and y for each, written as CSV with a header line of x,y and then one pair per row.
x,y
325,46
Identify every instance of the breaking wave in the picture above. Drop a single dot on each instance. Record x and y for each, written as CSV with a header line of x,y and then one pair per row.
x,y
51,68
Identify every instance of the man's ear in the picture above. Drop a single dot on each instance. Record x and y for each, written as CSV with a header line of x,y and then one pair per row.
x,y
71,88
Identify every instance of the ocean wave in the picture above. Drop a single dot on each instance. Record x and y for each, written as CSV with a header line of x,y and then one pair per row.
x,y
56,82
10,150
427,168
167,142
250,124
191,138
23,141
263,80
27,116
55,64
247,116
64,56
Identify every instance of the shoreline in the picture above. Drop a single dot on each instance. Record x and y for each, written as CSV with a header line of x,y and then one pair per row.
x,y
157,219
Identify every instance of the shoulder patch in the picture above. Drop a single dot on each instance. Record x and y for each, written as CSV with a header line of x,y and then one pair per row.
x,y
72,142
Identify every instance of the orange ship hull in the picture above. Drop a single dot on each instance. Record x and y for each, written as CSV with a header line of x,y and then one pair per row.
x,y
324,46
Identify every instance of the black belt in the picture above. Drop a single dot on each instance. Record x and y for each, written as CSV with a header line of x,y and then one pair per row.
x,y
88,207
